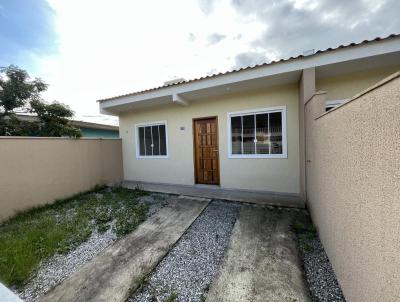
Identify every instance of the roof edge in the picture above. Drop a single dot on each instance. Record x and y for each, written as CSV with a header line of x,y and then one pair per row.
x,y
353,44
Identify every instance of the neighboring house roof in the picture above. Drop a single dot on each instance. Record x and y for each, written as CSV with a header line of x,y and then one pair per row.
x,y
79,124
330,49
82,124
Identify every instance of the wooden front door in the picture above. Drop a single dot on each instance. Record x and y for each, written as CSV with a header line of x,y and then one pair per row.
x,y
206,156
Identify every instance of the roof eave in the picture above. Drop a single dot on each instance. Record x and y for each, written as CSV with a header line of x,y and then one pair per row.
x,y
338,55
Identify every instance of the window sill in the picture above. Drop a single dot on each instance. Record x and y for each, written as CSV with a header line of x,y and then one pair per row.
x,y
258,156
152,157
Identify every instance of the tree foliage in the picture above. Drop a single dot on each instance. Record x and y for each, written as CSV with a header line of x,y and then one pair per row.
x,y
18,91
16,88
53,119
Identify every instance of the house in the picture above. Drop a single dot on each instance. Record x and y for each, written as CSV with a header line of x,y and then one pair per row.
x,y
242,129
87,129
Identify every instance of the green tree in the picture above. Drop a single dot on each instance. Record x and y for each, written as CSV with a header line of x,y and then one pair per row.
x,y
17,91
53,119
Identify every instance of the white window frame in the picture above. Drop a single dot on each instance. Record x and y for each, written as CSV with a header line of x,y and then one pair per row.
x,y
281,109
148,124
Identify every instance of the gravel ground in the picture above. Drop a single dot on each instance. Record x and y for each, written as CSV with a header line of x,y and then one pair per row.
x,y
188,269
54,270
155,201
59,267
320,276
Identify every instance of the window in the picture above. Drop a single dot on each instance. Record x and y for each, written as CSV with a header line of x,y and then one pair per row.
x,y
151,140
333,104
258,133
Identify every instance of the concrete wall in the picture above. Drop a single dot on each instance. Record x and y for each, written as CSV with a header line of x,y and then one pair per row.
x,y
35,171
353,189
275,174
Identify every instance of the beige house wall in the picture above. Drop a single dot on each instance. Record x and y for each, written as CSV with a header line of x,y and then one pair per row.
x,y
278,175
35,171
353,189
306,90
346,86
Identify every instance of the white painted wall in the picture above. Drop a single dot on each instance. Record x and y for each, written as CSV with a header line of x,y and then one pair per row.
x,y
272,174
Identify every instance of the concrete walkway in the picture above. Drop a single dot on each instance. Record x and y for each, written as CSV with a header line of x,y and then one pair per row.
x,y
216,192
120,269
262,261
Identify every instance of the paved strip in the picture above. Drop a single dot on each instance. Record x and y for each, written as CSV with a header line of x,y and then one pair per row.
x,y
262,262
216,192
118,271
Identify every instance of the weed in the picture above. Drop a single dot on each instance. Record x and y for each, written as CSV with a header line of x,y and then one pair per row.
x,y
307,247
143,282
171,297
139,189
304,235
34,235
300,228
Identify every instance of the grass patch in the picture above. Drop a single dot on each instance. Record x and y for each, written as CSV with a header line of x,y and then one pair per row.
x,y
304,235
39,233
300,228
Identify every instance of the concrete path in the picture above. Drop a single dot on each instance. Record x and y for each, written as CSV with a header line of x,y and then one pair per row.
x,y
262,261
216,192
120,269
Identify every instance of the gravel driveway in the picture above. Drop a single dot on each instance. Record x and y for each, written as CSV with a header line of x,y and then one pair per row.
x,y
188,269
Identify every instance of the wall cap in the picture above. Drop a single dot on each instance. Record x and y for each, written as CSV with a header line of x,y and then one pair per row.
x,y
313,95
57,138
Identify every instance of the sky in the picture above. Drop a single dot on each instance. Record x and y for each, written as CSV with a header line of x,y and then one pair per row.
x,y
92,49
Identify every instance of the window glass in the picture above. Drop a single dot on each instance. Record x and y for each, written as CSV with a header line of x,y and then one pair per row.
x,y
163,140
152,140
156,140
257,134
262,135
275,128
248,134
236,129
147,141
141,140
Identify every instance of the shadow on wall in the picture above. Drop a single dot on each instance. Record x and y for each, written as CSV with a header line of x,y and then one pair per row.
x,y
353,188
40,170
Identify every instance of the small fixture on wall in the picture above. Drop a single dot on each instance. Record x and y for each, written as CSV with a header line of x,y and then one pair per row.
x,y
308,52
182,128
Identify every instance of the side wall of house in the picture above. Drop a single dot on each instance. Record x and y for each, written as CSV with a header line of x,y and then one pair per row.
x,y
278,175
35,171
348,85
99,133
353,177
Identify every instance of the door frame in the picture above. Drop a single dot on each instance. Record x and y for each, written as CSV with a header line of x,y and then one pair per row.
x,y
194,147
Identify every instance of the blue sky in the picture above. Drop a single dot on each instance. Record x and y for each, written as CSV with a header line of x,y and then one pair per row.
x,y
92,49
27,29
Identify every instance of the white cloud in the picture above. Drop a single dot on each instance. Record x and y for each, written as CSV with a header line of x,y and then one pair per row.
x,y
110,48
107,48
